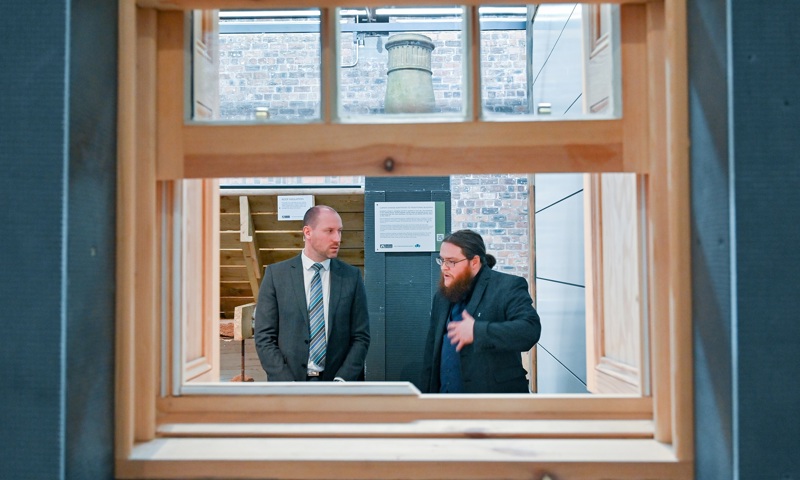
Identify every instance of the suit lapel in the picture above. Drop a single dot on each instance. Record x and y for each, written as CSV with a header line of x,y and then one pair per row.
x,y
477,293
440,315
298,284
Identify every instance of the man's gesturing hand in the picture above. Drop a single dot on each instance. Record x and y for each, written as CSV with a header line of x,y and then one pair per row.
x,y
460,333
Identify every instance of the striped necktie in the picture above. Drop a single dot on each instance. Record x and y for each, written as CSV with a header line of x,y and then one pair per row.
x,y
316,316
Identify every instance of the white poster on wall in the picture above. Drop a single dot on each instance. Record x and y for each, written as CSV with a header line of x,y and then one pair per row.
x,y
405,226
293,207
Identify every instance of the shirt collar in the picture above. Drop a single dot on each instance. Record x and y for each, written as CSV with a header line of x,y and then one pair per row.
x,y
308,263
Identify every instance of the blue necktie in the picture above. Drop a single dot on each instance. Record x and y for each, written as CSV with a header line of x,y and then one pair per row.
x,y
316,316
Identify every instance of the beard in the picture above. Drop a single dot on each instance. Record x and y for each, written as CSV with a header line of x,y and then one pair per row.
x,y
458,288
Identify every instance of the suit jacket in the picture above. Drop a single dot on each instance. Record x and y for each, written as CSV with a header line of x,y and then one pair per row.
x,y
505,325
281,327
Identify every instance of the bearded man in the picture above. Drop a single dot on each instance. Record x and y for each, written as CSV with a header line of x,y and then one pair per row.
x,y
481,320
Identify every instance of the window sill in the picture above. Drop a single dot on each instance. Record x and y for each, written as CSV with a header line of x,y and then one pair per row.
x,y
408,458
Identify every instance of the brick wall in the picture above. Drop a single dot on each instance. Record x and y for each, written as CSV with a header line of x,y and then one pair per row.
x,y
281,72
496,206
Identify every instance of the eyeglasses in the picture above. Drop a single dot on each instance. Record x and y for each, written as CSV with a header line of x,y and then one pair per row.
x,y
448,263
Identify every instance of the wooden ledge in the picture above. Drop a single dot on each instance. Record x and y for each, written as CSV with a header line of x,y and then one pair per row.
x,y
360,458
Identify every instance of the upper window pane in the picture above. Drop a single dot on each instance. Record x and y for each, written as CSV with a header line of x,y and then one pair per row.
x,y
401,62
547,61
504,60
269,65
408,64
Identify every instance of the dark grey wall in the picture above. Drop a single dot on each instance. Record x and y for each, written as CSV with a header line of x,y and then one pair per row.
x,y
400,285
766,177
57,191
746,250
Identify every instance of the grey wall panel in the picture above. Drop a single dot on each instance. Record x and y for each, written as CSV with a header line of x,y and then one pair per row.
x,y
57,204
408,304
400,286
375,283
744,101
553,377
91,251
560,242
765,56
554,187
562,309
711,241
33,211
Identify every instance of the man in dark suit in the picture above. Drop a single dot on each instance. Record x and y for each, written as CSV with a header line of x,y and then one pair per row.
x,y
481,320
313,287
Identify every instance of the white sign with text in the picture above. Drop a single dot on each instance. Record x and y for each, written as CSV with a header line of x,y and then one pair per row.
x,y
405,226
293,207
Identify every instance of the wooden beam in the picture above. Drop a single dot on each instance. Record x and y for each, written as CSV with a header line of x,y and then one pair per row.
x,y
679,228
415,149
125,313
170,95
657,233
260,406
250,249
147,264
532,360
635,94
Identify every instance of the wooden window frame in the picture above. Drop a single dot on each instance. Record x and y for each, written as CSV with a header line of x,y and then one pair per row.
x,y
161,435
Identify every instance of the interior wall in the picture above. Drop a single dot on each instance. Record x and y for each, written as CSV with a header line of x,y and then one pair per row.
x,y
745,251
91,226
711,239
32,139
560,283
765,169
57,191
557,65
400,285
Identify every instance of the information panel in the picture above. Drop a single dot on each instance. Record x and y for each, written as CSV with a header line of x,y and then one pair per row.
x,y
293,207
408,226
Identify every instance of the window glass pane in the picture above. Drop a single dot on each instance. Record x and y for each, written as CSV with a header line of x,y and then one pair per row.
x,y
504,60
548,61
269,66
401,63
